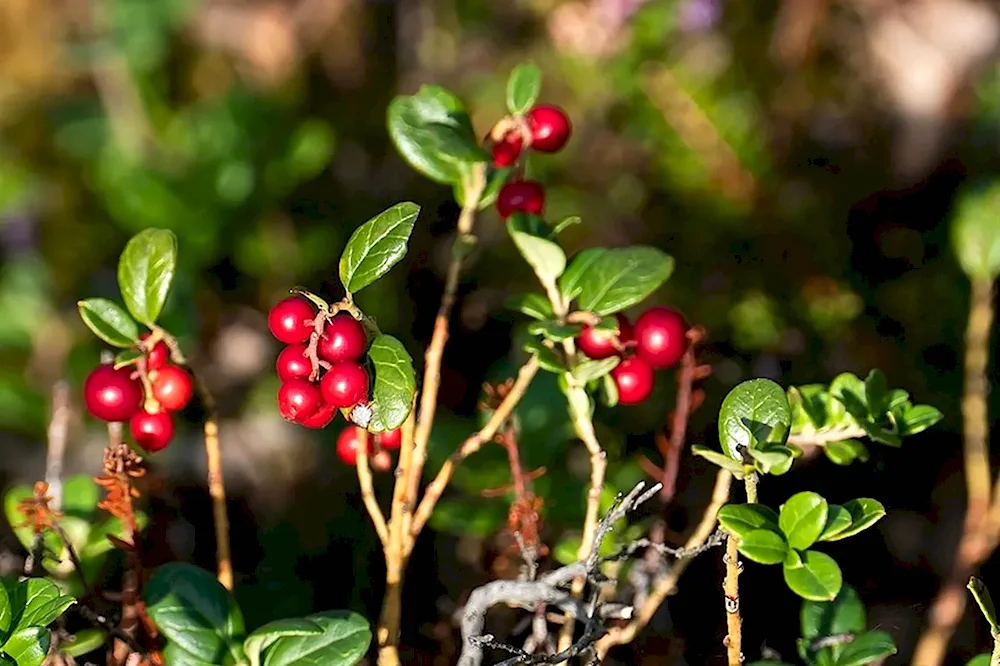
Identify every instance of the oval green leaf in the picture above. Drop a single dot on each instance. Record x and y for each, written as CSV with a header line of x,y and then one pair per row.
x,y
846,451
980,660
590,369
176,656
764,547
6,614
741,519
975,234
802,519
109,321
534,305
720,459
838,519
865,512
754,412
545,257
28,646
344,641
84,641
263,637
818,579
877,393
844,615
867,648
376,246
622,277
917,418
569,283
36,601
145,272
395,383
193,611
523,86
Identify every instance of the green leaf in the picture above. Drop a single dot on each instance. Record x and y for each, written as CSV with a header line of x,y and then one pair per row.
x,y
754,412
416,126
555,331
263,637
564,224
127,357
981,595
569,283
980,660
547,359
28,646
6,614
36,601
109,322
793,560
975,234
720,459
622,277
819,579
395,383
588,370
802,519
868,647
741,519
192,610
877,393
344,641
84,641
145,271
813,401
773,459
838,519
865,512
534,305
850,391
846,451
917,418
523,86
545,257
376,246
764,547
177,656
609,391
845,614
897,398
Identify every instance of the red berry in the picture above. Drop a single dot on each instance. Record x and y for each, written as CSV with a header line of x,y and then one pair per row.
x,y
348,442
507,150
344,384
661,337
158,355
390,439
320,419
381,461
298,400
343,339
291,320
152,431
634,379
526,195
172,387
292,363
598,344
112,395
550,128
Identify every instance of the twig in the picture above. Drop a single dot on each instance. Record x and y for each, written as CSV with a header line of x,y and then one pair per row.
x,y
731,588
667,584
976,543
824,437
368,488
56,444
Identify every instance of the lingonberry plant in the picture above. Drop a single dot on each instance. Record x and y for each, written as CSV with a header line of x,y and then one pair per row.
x,y
336,360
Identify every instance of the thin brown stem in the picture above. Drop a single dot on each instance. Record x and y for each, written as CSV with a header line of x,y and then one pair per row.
x,y
731,589
679,421
368,489
129,624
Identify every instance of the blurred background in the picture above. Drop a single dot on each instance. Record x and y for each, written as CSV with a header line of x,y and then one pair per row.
x,y
799,158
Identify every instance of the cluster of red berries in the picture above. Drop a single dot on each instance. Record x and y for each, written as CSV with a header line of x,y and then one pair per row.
x,y
119,394
548,129
657,340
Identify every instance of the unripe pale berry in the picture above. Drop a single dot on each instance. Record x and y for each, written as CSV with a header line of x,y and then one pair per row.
x,y
550,128
661,337
343,339
172,387
291,320
598,344
152,432
112,395
634,379
298,400
292,363
344,384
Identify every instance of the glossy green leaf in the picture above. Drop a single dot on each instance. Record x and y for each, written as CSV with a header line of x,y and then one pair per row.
x,y
545,257
865,512
917,418
547,359
773,458
376,246
343,642
622,277
28,646
812,400
845,614
588,370
262,638
867,648
741,519
850,391
523,86
6,614
980,660
818,579
84,641
846,451
793,559
109,321
36,601
838,519
395,383
534,305
174,655
754,412
877,393
897,398
128,357
720,459
802,519
764,547
145,272
192,610
555,331
975,234
569,283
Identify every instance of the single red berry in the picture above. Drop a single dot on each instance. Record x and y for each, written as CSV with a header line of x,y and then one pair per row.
x,y
550,128
381,461
292,363
661,337
526,195
157,357
507,150
112,395
344,384
343,339
634,379
598,344
298,400
348,443
320,419
291,320
390,439
152,431
172,387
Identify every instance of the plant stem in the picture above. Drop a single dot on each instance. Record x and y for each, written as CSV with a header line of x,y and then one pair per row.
x,y
979,532
731,586
368,490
